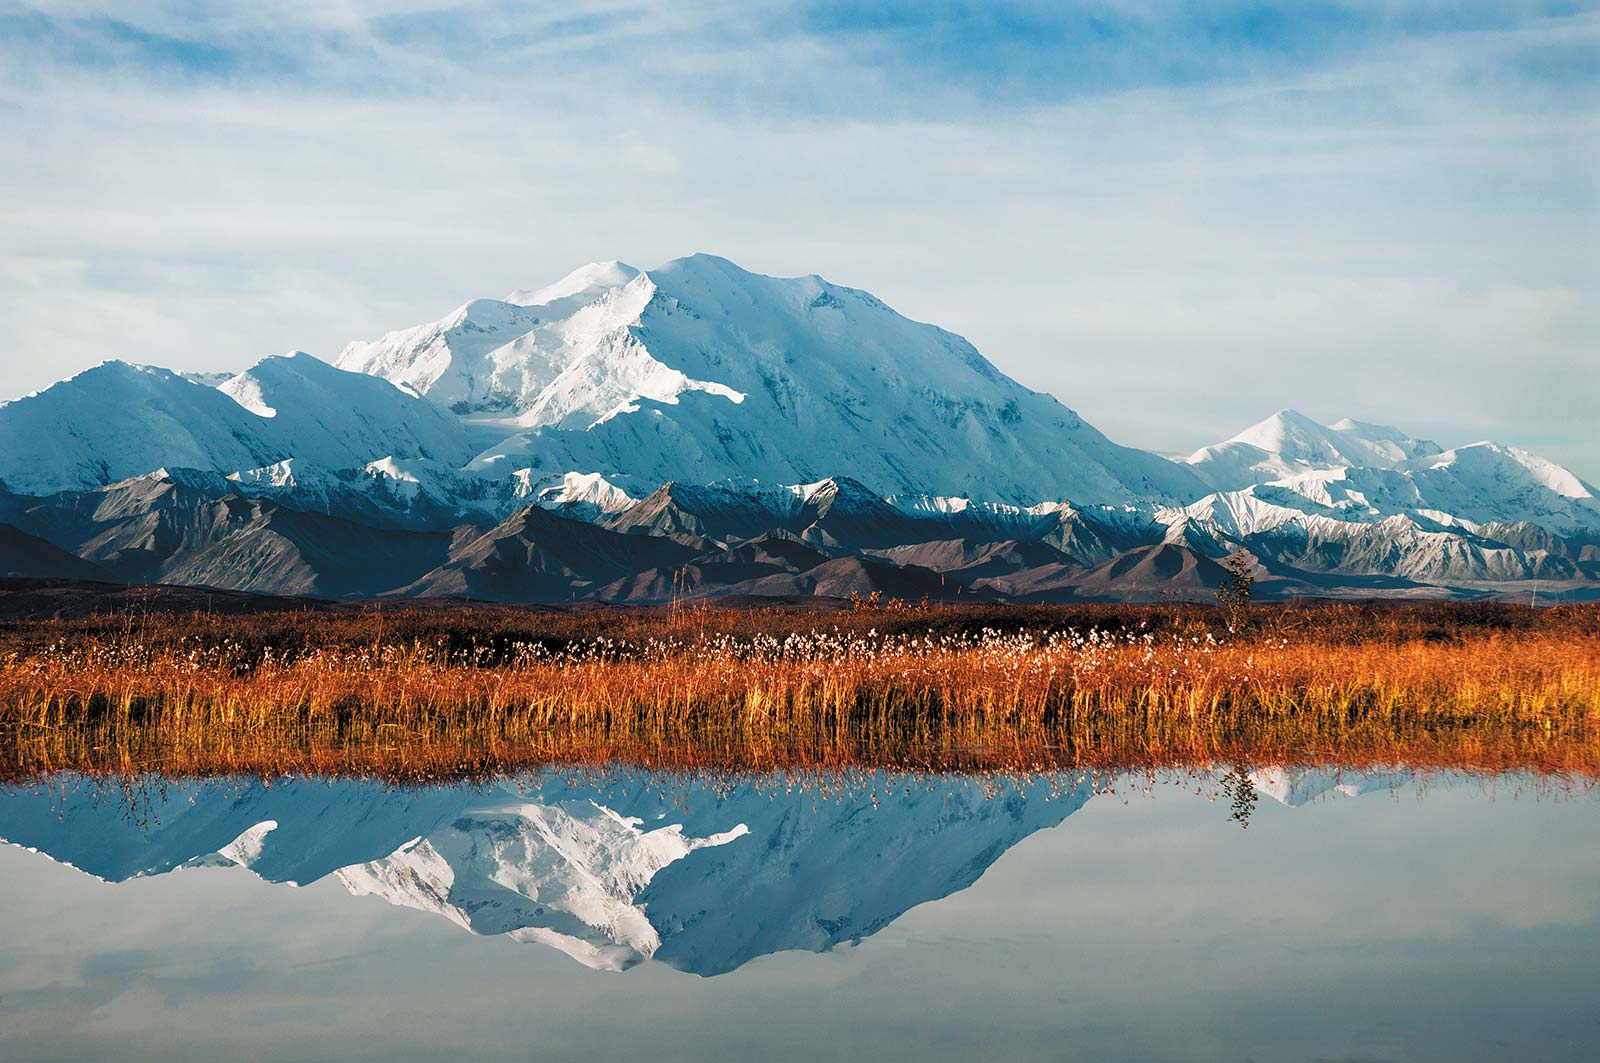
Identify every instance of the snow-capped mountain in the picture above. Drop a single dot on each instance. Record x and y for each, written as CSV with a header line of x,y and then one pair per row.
x,y
1289,443
116,421
577,288
1472,485
490,355
700,371
1355,500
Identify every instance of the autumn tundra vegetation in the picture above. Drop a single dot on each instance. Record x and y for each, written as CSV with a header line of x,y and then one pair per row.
x,y
418,694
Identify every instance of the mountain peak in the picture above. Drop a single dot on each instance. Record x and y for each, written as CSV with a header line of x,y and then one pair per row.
x,y
1274,432
594,277
1368,430
119,369
284,372
1496,465
701,371
117,420
1289,444
704,262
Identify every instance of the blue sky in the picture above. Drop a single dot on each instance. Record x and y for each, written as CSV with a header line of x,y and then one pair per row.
x,y
920,57
1176,217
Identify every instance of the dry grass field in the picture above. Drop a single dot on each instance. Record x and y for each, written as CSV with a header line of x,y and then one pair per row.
x,y
434,694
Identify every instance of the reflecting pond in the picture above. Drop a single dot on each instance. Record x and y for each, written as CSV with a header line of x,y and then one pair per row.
x,y
1277,914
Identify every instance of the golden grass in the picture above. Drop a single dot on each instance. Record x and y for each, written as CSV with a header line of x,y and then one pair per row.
x,y
417,696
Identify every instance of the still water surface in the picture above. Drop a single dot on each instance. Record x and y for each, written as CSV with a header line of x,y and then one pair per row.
x,y
1290,915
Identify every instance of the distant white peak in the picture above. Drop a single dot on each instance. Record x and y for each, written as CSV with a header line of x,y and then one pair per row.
x,y
698,370
405,470
489,314
720,272
1289,443
1290,433
591,488
807,492
1279,431
610,309
933,503
115,370
246,388
1534,461
154,476
286,473
118,366
1373,432
1390,444
595,277
608,372
441,359
1485,456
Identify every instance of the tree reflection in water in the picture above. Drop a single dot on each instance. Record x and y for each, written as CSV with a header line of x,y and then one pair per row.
x,y
1242,795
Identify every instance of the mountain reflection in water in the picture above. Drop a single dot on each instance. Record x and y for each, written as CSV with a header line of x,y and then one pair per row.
x,y
701,874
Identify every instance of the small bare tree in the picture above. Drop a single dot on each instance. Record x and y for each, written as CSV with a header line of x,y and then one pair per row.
x,y
1234,594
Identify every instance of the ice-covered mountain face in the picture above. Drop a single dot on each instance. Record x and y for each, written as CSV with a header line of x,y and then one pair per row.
x,y
339,419
453,361
700,371
702,876
1289,443
1491,482
117,421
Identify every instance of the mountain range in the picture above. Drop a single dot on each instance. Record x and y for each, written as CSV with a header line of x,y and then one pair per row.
x,y
697,430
